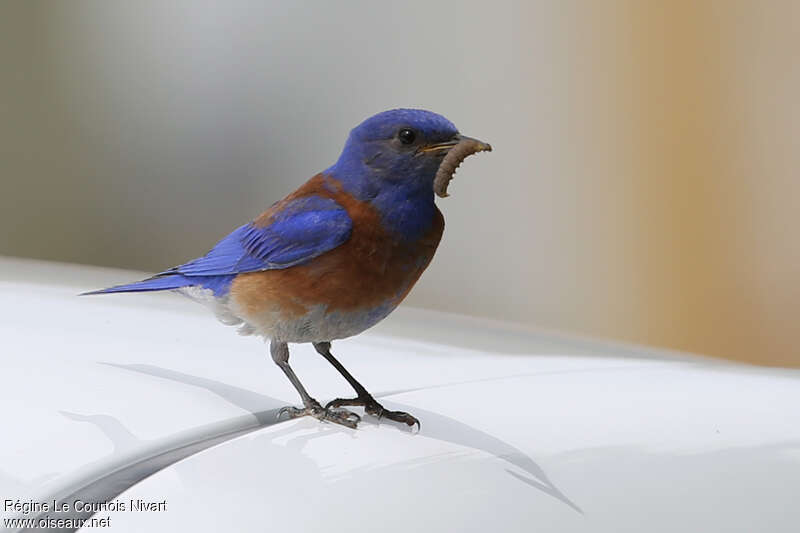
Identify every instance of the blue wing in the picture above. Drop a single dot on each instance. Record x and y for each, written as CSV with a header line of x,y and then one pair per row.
x,y
301,230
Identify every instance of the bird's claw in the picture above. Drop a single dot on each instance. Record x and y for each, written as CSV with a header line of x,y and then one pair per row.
x,y
342,417
372,407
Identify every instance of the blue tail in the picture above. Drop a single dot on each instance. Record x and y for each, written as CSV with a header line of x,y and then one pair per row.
x,y
158,283
164,282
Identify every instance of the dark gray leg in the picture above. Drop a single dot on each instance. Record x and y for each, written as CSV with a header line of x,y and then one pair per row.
x,y
363,398
311,407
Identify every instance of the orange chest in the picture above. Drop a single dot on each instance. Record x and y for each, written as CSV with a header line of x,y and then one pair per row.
x,y
371,269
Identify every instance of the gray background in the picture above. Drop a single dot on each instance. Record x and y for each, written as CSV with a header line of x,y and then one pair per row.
x,y
643,187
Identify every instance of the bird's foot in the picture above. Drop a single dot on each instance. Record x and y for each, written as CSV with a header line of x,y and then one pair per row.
x,y
342,417
372,407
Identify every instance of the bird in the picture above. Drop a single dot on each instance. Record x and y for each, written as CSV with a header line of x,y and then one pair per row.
x,y
337,255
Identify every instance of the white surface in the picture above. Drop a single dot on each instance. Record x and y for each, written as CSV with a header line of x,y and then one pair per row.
x,y
519,430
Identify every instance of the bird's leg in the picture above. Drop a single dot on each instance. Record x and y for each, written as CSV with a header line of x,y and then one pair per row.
x,y
363,398
311,407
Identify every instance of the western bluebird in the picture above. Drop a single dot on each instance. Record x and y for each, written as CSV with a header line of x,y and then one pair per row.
x,y
336,256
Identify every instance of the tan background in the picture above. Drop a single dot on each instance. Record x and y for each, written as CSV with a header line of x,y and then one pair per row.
x,y
645,184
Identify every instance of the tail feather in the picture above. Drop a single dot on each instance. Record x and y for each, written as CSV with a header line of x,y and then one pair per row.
x,y
157,283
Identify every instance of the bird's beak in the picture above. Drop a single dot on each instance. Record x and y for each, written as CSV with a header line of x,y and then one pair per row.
x,y
444,147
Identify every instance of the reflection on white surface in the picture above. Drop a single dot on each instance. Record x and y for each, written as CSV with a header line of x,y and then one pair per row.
x,y
451,465
437,426
562,436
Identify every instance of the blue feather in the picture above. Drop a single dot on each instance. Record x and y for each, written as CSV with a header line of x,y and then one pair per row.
x,y
397,183
218,284
304,229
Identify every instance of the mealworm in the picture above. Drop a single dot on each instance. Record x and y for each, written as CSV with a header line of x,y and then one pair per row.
x,y
447,169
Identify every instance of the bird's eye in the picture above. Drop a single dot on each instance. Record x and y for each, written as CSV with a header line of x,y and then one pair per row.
x,y
406,136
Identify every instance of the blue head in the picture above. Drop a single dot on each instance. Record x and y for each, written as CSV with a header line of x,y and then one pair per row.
x,y
390,160
388,151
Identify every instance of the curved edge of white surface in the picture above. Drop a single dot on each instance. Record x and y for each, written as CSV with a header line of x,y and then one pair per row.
x,y
436,336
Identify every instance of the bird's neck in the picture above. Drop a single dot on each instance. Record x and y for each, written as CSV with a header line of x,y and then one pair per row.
x,y
409,214
406,207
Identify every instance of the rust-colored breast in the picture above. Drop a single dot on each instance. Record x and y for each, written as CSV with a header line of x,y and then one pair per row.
x,y
372,268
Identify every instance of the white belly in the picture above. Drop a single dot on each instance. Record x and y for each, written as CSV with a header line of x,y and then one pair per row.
x,y
316,325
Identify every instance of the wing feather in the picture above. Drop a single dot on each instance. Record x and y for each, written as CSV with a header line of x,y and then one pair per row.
x,y
301,230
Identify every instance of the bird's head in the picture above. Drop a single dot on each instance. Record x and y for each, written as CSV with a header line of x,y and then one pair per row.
x,y
403,149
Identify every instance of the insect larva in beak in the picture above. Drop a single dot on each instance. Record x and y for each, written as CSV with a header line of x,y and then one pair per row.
x,y
454,157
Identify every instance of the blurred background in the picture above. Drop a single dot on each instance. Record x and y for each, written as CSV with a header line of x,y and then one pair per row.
x,y
645,183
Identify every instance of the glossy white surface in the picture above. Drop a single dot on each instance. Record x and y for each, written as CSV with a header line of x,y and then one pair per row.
x,y
520,431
